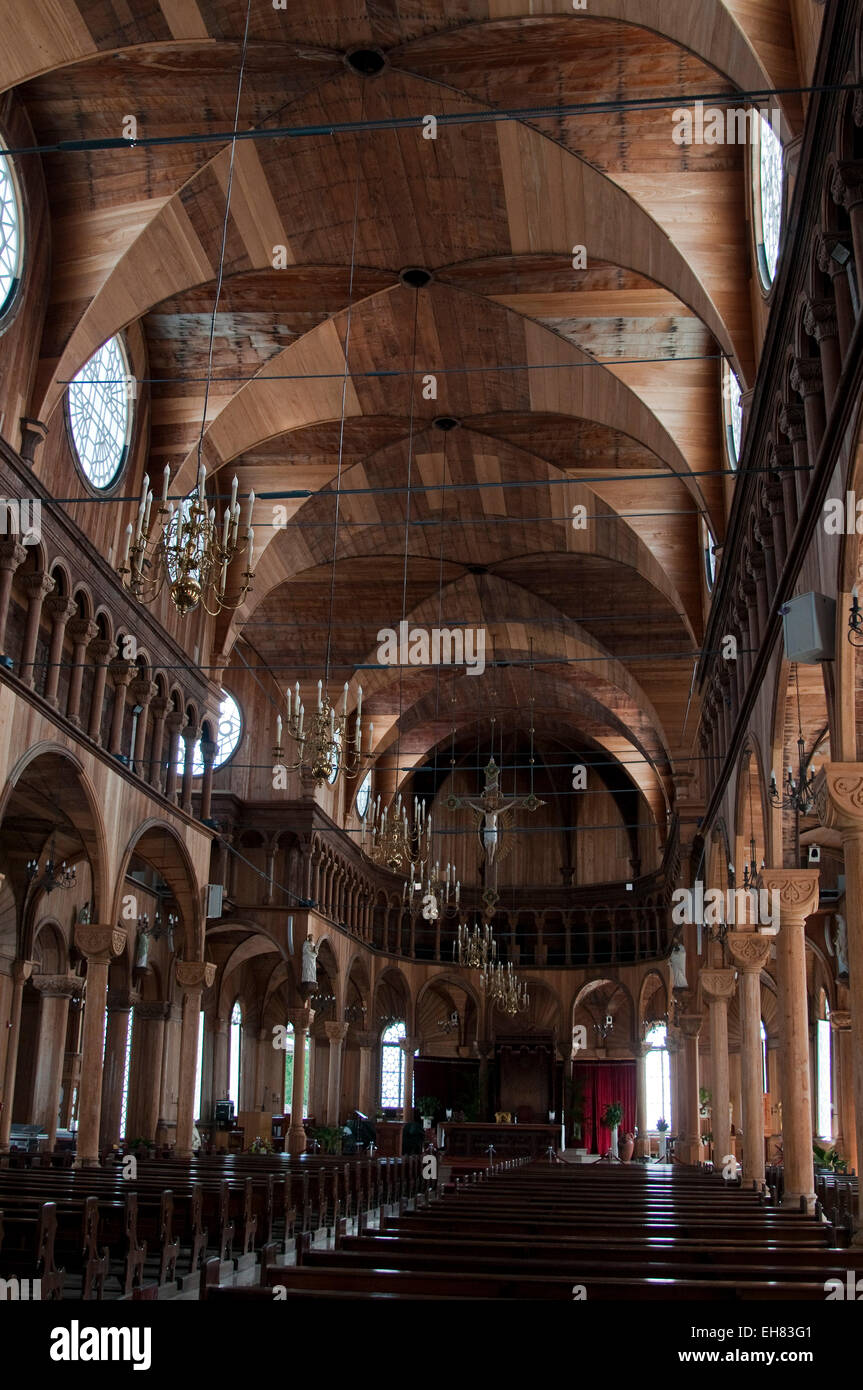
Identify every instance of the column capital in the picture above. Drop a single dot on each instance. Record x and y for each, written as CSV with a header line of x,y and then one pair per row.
x,y
12,554
120,1001
820,319
364,1040
410,1045
717,985
797,889
839,797
98,942
840,1019
122,671
58,986
22,970
805,377
336,1032
83,630
175,720
153,1011
190,734
195,974
159,707
143,691
749,950
102,651
792,421
37,585
847,186
300,1018
690,1024
60,607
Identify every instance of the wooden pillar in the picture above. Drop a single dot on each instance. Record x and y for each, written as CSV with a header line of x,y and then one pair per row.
x,y
36,586
798,898
193,977
12,555
102,653
142,693
21,972
60,610
145,1075
209,749
843,1067
642,1145
98,943
114,1067
717,987
365,1097
839,799
336,1033
158,711
749,952
122,672
190,737
689,1143
821,324
175,721
82,632
409,1047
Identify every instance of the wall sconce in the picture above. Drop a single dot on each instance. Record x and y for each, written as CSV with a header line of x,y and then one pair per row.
x,y
855,621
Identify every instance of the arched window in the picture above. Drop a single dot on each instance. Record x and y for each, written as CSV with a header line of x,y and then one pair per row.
x,y
364,796
124,1101
235,1049
100,417
767,199
708,544
732,410
199,1074
392,1067
765,1074
334,764
228,737
824,1063
657,1078
11,234
289,1072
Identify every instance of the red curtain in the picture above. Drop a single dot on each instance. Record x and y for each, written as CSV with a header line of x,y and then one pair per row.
x,y
604,1083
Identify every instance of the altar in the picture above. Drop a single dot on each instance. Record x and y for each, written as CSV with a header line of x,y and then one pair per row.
x,y
471,1140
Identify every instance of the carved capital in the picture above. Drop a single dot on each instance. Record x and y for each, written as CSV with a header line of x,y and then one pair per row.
x,y
119,1001
717,985
209,749
82,631
102,651
58,986
336,1032
366,1039
175,720
806,378
690,1024
122,671
36,586
792,422
152,1012
410,1045
143,691
797,889
840,1019
195,974
22,970
847,186
159,708
60,608
99,942
820,319
300,1018
749,950
839,797
12,554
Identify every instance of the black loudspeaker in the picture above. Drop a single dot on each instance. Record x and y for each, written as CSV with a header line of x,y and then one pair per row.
x,y
224,1114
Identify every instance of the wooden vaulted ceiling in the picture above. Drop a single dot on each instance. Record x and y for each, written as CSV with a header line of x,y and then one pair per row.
x,y
542,364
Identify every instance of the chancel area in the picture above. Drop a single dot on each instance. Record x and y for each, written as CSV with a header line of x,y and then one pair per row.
x,y
431,718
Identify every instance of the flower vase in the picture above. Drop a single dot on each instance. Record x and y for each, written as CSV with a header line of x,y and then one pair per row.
x,y
614,1149
663,1147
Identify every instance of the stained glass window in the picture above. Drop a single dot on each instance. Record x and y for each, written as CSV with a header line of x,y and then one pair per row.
x,y
825,1076
99,414
11,241
124,1100
767,172
709,554
227,738
364,796
733,413
392,1067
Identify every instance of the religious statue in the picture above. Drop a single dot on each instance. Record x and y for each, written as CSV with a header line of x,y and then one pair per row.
x,y
677,962
310,961
840,945
84,914
493,813
142,949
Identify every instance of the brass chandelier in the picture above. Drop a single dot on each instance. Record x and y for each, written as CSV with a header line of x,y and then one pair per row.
x,y
475,946
187,551
324,748
397,842
440,892
504,989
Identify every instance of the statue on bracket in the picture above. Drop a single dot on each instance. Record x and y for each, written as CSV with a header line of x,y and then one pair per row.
x,y
677,961
309,976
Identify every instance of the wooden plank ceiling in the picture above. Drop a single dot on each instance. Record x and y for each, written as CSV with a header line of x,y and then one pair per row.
x,y
597,386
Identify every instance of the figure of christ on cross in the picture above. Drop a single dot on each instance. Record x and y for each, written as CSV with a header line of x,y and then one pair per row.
x,y
493,813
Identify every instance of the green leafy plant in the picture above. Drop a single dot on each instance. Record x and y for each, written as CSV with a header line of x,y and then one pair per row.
x,y
330,1138
829,1159
613,1114
662,1125
428,1105
705,1098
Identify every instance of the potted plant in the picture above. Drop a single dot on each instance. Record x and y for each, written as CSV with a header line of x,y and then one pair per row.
x,y
330,1138
704,1099
662,1129
828,1160
428,1107
612,1116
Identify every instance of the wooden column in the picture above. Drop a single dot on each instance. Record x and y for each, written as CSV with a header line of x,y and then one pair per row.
x,y
642,1143
839,799
12,555
37,587
336,1034
409,1047
60,610
158,711
82,632
717,987
190,737
122,672
843,1069
193,977
689,1143
56,991
101,652
365,1099
98,943
145,1076
142,693
174,722
21,972
209,749
807,381
296,1137
114,1067
749,952
798,898
821,324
